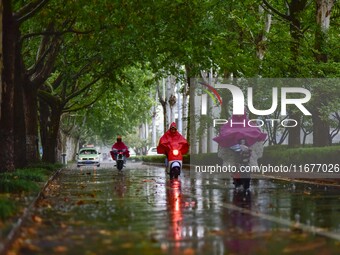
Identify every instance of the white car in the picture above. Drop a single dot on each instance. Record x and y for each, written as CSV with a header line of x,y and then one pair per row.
x,y
153,152
88,156
132,153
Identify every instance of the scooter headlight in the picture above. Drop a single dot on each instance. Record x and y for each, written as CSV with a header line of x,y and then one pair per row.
x,y
175,152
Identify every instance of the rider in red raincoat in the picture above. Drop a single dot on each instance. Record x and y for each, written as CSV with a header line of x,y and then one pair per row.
x,y
119,145
172,139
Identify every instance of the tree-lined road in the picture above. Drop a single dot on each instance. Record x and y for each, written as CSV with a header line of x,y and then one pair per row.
x,y
142,211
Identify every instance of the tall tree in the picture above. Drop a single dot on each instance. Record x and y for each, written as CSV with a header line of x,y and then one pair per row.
x,y
17,104
321,127
9,34
295,9
1,50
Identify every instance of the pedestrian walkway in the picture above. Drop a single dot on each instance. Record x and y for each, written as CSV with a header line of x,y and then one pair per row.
x,y
140,211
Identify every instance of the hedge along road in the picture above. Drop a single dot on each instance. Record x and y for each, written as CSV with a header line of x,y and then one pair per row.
x,y
141,211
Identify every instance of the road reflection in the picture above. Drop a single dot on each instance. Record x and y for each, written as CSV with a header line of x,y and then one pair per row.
x,y
174,203
242,224
119,185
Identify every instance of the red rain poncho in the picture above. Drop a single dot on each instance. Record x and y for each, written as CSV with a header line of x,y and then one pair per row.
x,y
120,146
232,132
172,141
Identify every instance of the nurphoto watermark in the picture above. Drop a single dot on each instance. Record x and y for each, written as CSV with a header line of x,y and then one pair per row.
x,y
286,97
227,111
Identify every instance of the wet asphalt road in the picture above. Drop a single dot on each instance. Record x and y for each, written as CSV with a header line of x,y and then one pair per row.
x,y
141,211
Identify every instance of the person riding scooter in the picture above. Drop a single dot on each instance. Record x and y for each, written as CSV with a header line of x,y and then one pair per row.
x,y
173,145
119,145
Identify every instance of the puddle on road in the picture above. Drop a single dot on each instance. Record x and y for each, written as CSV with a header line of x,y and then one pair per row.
x,y
141,211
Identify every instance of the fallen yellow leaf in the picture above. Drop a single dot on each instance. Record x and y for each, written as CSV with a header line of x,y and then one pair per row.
x,y
189,251
127,245
60,249
36,219
80,202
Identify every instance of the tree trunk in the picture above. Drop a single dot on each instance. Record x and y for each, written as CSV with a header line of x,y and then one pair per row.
x,y
171,98
154,128
163,102
296,7
179,109
49,130
19,118
31,120
323,17
50,151
262,37
44,112
185,111
294,136
9,33
192,118
1,52
321,129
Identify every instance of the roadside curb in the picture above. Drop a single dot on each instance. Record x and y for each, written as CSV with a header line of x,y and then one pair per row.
x,y
322,182
8,241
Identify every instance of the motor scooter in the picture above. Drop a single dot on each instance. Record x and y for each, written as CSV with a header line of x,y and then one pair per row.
x,y
120,157
175,166
174,160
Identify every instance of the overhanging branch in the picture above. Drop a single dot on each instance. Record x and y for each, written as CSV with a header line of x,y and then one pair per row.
x,y
70,109
271,8
77,93
29,10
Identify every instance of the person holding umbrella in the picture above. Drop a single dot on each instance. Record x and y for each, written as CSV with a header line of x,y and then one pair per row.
x,y
240,144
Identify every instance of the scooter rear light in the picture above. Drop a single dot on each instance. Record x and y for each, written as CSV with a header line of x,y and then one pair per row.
x,y
175,152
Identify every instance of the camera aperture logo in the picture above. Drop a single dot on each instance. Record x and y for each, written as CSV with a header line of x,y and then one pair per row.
x,y
238,103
